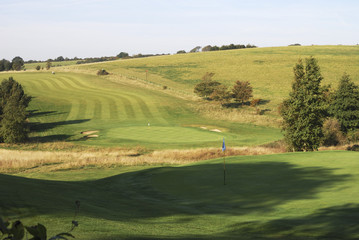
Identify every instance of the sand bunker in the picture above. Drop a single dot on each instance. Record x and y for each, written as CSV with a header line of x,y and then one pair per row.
x,y
89,132
92,136
215,130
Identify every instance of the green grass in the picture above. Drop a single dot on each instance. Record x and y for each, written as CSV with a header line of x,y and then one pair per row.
x,y
66,104
269,70
285,196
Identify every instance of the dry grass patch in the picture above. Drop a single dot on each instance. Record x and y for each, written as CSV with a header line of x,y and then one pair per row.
x,y
24,160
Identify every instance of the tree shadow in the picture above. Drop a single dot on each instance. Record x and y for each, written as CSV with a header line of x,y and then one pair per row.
x,y
251,187
37,113
49,138
338,222
247,103
42,127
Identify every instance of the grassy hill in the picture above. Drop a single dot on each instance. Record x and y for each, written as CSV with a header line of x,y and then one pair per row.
x,y
130,107
269,70
285,196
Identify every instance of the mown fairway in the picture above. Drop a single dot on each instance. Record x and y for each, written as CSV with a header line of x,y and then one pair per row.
x,y
285,196
119,114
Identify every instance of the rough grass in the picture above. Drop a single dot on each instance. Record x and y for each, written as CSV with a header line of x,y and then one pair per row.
x,y
78,158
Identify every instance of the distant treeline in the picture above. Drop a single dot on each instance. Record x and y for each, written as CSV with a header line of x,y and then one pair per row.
x,y
226,47
122,55
18,63
216,48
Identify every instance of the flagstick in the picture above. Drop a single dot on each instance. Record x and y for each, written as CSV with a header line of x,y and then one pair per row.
x,y
224,169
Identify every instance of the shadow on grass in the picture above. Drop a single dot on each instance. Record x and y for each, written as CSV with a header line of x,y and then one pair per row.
x,y
37,113
49,138
334,223
248,103
42,127
188,191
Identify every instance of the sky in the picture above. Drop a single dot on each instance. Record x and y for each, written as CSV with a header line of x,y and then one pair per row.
x,y
42,29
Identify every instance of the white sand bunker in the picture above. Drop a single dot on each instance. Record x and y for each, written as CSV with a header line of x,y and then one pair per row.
x,y
92,136
215,130
212,130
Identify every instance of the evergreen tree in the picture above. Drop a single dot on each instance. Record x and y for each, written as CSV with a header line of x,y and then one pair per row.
x,y
13,103
303,113
345,105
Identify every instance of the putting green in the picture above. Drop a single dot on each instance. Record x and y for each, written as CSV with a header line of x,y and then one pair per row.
x,y
165,134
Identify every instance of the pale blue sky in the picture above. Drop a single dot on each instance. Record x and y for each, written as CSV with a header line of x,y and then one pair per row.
x,y
39,29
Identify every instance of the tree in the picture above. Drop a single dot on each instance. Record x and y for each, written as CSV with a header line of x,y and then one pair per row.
x,y
60,59
181,51
304,111
206,87
38,67
221,94
5,65
242,91
196,49
17,63
13,104
122,55
345,104
206,48
48,64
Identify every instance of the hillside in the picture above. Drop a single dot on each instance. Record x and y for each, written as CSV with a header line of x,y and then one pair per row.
x,y
269,70
130,107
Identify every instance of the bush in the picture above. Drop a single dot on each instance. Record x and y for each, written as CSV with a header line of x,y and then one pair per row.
x,y
255,102
165,87
242,91
102,72
355,147
38,67
333,136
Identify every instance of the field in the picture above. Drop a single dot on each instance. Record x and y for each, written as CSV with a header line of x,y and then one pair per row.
x,y
143,154
285,196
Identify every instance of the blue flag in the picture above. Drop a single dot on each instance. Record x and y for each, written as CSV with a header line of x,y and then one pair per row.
x,y
223,146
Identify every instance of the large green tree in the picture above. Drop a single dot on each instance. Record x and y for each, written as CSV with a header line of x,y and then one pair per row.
x,y
345,104
17,63
13,104
304,111
5,65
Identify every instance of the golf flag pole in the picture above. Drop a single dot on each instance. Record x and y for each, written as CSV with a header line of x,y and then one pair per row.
x,y
224,162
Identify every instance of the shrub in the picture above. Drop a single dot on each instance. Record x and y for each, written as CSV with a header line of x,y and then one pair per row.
x,y
38,67
255,102
242,91
332,133
165,87
102,72
355,147
206,87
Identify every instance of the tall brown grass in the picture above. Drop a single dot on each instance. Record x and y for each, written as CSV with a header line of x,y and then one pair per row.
x,y
25,160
